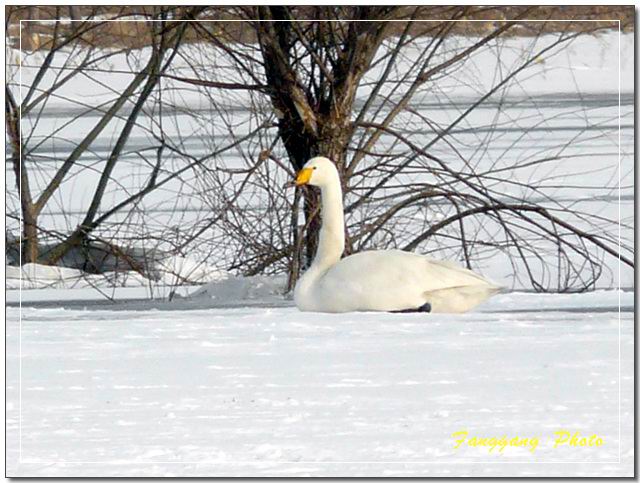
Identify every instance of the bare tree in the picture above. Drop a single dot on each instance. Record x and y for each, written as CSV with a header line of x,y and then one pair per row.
x,y
165,39
314,71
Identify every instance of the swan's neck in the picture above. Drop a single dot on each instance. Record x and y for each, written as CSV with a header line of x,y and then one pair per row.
x,y
330,245
331,238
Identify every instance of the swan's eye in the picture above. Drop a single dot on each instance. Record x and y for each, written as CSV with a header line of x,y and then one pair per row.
x,y
315,167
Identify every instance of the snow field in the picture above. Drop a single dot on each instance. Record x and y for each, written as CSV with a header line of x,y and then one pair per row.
x,y
275,392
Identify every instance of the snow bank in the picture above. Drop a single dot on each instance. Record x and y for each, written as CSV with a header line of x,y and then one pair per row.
x,y
169,271
35,276
176,269
234,290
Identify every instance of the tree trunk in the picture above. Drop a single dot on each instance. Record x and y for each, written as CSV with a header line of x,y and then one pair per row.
x,y
29,236
29,245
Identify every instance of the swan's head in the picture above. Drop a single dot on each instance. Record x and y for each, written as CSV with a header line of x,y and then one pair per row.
x,y
318,171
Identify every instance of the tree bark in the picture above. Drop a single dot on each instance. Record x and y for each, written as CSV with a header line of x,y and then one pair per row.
x,y
29,245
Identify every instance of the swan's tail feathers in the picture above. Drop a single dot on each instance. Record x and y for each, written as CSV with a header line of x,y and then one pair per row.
x,y
459,299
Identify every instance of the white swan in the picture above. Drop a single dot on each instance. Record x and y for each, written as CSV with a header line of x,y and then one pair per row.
x,y
385,280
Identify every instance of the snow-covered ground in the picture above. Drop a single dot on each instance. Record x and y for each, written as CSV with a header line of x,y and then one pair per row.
x,y
150,389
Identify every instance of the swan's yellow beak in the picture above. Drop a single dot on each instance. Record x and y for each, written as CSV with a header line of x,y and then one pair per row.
x,y
304,175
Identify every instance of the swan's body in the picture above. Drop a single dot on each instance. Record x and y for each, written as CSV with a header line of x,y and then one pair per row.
x,y
385,280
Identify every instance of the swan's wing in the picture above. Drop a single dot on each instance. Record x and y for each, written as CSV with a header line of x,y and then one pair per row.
x,y
397,280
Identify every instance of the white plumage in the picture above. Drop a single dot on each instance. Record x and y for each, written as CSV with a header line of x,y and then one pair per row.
x,y
384,280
